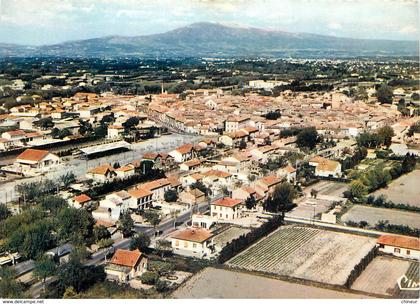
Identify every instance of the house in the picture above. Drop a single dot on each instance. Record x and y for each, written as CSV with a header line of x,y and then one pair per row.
x,y
234,123
215,179
192,242
202,221
112,206
192,197
400,246
80,201
245,192
140,198
33,162
183,153
325,167
102,173
157,187
190,165
126,265
125,171
266,185
288,173
115,131
226,208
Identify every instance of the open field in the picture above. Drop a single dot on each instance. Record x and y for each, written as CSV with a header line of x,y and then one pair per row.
x,y
405,189
381,275
219,283
307,208
306,253
373,214
328,188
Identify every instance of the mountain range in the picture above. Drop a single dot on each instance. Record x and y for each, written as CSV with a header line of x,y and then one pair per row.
x,y
217,40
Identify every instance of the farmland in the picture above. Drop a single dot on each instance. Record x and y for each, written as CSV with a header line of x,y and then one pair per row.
x,y
381,275
404,189
220,283
372,215
306,253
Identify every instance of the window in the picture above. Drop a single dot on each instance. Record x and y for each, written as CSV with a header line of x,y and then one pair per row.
x,y
408,252
185,244
176,243
194,245
397,250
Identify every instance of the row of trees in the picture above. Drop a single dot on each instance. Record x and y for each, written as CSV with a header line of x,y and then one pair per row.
x,y
377,178
382,137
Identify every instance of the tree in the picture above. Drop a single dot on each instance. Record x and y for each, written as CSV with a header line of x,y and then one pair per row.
x,y
282,199
45,123
131,123
153,218
125,224
52,203
200,186
74,225
242,144
140,241
384,94
385,135
307,138
357,191
44,267
149,278
171,195
9,287
70,293
4,212
67,179
100,233
250,202
163,246
314,193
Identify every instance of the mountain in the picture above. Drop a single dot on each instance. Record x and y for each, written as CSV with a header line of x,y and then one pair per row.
x,y
216,40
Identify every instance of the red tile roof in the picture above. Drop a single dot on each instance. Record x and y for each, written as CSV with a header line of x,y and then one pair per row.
x,y
126,257
227,202
82,198
400,241
193,235
33,155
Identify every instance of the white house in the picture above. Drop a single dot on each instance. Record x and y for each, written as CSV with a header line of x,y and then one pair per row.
x,y
125,171
126,265
192,242
32,162
102,173
288,173
140,198
226,209
325,167
400,246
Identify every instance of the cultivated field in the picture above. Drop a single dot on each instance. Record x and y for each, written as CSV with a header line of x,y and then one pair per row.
x,y
372,215
224,284
306,253
404,189
381,275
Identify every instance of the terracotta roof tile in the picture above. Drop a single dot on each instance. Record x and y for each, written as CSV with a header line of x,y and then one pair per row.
x,y
126,257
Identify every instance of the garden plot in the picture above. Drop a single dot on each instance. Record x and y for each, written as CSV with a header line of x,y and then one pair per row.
x,y
372,215
306,253
381,275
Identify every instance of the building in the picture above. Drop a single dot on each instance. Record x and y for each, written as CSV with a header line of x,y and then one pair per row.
x,y
125,171
226,208
80,201
400,246
126,265
288,173
33,162
192,242
140,198
234,123
102,173
325,167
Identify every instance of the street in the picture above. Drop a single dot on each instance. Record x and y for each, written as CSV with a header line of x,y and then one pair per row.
x,y
79,166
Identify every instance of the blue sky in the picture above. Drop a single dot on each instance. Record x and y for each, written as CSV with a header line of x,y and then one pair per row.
x,y
52,21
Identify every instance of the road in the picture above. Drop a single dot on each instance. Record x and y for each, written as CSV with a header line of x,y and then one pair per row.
x,y
79,166
165,227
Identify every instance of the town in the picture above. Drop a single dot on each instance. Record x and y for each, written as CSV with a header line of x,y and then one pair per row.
x,y
120,183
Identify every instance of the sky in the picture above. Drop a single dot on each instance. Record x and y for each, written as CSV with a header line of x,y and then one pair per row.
x,y
39,22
